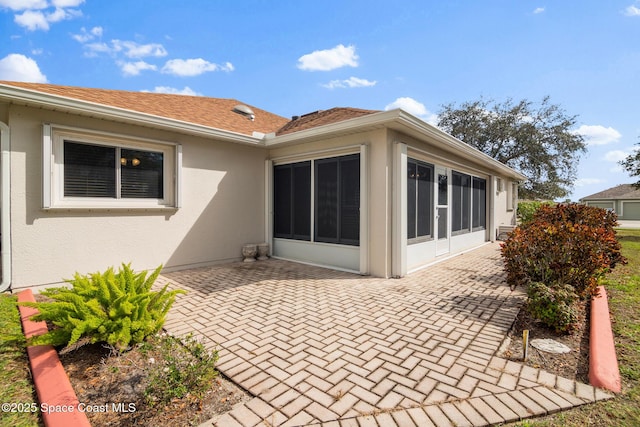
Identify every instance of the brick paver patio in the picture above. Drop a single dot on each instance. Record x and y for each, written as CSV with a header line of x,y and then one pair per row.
x,y
317,346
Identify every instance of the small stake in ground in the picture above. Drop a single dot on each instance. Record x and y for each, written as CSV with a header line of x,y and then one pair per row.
x,y
525,344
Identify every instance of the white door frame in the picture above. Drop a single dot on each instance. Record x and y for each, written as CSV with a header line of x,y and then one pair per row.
x,y
442,212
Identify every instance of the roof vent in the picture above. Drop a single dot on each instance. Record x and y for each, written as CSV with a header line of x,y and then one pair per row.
x,y
244,111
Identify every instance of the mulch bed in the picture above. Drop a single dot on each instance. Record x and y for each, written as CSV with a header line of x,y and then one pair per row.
x,y
115,384
573,365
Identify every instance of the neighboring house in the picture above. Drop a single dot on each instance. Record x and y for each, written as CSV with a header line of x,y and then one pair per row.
x,y
624,199
92,178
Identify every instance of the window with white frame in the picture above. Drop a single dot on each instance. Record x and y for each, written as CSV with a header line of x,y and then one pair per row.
x,y
95,170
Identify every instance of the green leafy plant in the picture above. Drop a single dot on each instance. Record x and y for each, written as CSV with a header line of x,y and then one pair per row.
x,y
118,308
553,305
185,367
527,209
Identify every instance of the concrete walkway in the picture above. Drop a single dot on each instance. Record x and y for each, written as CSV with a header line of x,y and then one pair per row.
x,y
316,346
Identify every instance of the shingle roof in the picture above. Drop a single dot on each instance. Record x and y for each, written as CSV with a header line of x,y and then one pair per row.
x,y
211,112
622,191
322,117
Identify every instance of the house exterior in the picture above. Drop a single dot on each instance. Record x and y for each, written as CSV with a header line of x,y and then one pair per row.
x,y
91,178
624,199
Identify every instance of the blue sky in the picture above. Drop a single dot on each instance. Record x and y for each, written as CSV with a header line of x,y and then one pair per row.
x,y
294,57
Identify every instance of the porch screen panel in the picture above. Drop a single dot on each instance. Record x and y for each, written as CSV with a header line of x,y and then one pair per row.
x,y
412,199
479,210
419,199
282,201
302,201
327,200
425,200
461,202
89,170
292,201
337,200
350,199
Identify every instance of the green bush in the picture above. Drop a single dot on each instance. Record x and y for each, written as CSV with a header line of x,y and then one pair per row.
x,y
571,244
553,305
526,210
560,255
117,308
186,367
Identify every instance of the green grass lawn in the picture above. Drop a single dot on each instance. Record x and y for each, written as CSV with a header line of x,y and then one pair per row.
x,y
15,378
623,287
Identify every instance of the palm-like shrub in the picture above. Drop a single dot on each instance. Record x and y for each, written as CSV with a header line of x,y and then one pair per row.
x,y
118,308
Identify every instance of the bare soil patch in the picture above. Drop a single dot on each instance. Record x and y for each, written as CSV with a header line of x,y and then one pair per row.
x,y
573,365
115,385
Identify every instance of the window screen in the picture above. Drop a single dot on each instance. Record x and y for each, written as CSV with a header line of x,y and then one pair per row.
x,y
292,201
419,199
460,202
479,203
337,200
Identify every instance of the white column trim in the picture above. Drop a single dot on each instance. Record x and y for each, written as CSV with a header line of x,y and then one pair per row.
x,y
364,209
268,203
399,211
5,194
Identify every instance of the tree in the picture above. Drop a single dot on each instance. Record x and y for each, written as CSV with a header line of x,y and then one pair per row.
x,y
632,164
536,140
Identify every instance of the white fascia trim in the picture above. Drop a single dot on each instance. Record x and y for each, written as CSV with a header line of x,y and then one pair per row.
x,y
93,109
457,145
398,120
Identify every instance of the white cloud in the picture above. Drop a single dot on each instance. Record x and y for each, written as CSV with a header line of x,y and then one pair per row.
x,y
538,10
37,20
67,3
32,20
18,67
588,181
135,50
93,49
329,59
414,107
615,155
62,14
193,67
632,11
86,36
174,91
598,135
23,4
134,68
349,83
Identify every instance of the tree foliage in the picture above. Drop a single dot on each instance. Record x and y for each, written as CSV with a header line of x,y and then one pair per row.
x,y
632,165
536,140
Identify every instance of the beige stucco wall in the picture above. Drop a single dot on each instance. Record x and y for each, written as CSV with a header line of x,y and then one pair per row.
x,y
222,204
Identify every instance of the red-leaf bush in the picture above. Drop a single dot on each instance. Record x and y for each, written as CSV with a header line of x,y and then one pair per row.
x,y
563,245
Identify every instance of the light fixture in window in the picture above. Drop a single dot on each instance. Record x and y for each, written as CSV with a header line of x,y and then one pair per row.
x,y
135,161
123,161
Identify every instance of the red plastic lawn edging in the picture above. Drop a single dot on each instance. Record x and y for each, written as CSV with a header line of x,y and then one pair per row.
x,y
603,363
59,404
